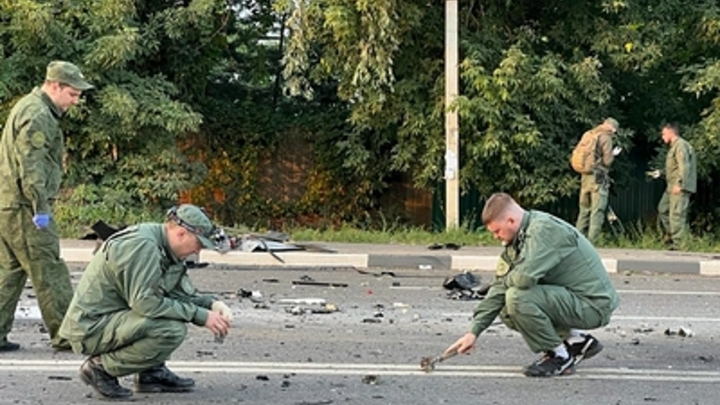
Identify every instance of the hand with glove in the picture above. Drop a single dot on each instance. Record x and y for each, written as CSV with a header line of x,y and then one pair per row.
x,y
217,324
224,310
654,173
616,150
41,220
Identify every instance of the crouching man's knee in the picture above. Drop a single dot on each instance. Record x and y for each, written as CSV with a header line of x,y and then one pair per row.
x,y
518,302
169,334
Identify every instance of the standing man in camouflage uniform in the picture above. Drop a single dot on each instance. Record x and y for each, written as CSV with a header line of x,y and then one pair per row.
x,y
681,179
549,283
595,186
130,310
31,152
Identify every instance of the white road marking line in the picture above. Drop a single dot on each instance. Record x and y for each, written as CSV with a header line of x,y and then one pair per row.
x,y
379,369
666,292
614,318
663,318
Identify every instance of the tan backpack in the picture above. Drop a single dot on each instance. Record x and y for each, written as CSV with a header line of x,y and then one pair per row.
x,y
584,156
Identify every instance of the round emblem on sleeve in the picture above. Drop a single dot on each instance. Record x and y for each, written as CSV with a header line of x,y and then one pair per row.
x,y
37,139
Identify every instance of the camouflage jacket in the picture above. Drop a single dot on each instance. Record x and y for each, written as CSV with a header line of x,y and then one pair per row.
x,y
681,166
31,152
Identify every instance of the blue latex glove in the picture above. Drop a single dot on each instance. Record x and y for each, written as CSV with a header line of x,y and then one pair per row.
x,y
41,221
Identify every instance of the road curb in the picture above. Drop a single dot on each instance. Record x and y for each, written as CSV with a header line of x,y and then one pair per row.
x,y
455,262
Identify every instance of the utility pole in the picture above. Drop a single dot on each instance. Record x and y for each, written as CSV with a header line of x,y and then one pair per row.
x,y
452,130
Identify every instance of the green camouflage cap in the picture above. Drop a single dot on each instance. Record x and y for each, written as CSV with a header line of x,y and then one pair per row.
x,y
612,122
196,221
67,73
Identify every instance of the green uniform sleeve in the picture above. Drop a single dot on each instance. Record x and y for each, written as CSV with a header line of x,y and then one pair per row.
x,y
488,309
605,147
683,157
186,292
140,275
32,150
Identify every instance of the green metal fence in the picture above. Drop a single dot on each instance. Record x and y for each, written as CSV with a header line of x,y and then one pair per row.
x,y
634,203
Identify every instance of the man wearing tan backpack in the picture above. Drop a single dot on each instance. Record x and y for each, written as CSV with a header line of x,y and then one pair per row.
x,y
592,158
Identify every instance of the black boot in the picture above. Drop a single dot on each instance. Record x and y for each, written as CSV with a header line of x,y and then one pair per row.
x,y
93,374
160,379
6,346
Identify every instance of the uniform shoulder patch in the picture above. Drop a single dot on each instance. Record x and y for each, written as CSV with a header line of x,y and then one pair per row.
x,y
38,139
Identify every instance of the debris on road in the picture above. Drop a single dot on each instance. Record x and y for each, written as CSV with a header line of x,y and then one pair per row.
x,y
462,281
325,309
254,296
325,402
380,274
463,287
682,332
643,329
269,242
319,283
449,246
303,301
370,379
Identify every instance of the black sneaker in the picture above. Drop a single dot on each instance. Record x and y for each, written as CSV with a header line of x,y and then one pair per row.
x,y
551,365
7,346
584,350
161,379
93,374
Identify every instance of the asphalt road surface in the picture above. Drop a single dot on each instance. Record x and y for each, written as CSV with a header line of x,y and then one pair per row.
x,y
368,351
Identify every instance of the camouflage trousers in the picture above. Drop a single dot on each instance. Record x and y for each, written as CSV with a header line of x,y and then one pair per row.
x,y
672,214
544,314
593,203
26,251
130,343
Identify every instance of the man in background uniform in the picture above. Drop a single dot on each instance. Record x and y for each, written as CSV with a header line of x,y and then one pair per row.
x,y
595,186
681,179
550,282
133,302
31,151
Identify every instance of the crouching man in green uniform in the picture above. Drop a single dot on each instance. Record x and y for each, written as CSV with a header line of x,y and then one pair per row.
x,y
550,284
130,309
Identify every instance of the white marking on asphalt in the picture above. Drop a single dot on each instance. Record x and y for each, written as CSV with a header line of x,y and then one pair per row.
x,y
663,318
379,369
664,292
621,317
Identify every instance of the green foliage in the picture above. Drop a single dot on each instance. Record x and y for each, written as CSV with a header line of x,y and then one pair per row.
x,y
123,140
193,95
89,203
534,77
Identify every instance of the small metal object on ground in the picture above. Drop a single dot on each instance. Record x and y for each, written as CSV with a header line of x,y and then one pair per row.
x,y
319,283
370,379
427,364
